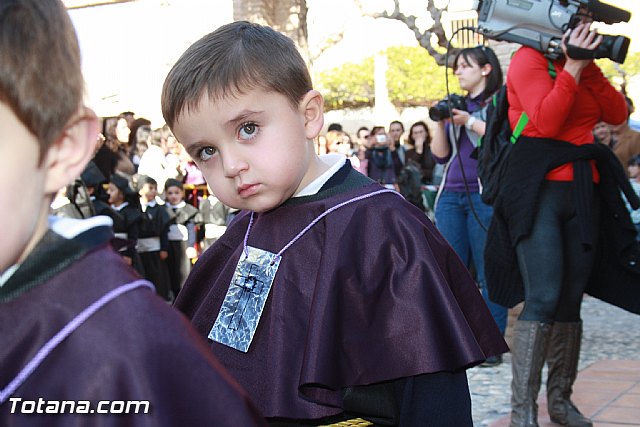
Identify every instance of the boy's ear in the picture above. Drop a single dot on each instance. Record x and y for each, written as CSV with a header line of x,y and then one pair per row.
x,y
312,107
68,156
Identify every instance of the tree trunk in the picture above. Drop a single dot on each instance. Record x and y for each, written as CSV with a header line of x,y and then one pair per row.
x,y
286,16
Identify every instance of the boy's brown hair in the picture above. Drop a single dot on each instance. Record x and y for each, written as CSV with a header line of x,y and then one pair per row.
x,y
235,58
40,75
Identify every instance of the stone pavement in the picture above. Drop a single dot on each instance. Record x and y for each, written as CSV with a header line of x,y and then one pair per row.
x,y
608,384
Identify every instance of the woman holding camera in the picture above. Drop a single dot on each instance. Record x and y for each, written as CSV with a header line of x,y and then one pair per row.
x,y
381,167
460,214
547,217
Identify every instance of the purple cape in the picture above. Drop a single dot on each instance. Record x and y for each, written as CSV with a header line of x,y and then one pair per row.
x,y
134,348
371,293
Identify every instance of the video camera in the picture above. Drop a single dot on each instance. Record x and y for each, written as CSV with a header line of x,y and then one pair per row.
x,y
540,24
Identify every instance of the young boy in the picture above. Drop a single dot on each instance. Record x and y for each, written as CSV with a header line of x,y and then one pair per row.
x,y
183,219
215,218
124,200
153,241
313,333
83,341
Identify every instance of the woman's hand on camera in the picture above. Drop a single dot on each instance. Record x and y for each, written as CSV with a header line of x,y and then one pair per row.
x,y
459,117
580,37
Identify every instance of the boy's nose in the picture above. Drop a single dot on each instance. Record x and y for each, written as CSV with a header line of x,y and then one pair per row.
x,y
233,165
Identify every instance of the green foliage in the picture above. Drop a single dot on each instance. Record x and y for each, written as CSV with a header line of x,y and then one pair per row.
x,y
631,67
347,86
413,78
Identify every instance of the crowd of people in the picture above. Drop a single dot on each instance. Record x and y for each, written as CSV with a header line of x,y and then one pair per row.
x,y
148,170
137,178
338,278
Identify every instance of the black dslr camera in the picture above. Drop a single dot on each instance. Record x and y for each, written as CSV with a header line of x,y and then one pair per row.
x,y
540,24
442,111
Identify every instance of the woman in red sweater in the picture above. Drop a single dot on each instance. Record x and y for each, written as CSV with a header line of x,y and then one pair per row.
x,y
555,258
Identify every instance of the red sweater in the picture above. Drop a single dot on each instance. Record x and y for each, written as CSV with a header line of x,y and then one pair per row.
x,y
559,108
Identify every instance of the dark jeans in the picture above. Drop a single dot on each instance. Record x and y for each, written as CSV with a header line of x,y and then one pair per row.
x,y
554,264
456,222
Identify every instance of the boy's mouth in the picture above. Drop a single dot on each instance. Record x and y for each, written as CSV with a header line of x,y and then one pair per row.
x,y
247,190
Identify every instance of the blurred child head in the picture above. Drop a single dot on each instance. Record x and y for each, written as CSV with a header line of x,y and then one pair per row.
x,y
338,141
148,188
603,132
174,191
48,135
240,101
120,190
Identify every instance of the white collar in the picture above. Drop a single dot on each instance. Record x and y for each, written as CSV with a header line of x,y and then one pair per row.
x,y
335,161
6,275
180,205
70,228
122,206
67,228
150,204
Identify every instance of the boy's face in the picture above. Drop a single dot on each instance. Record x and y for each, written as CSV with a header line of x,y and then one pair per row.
x,y
634,171
254,149
174,195
149,191
602,131
23,183
115,195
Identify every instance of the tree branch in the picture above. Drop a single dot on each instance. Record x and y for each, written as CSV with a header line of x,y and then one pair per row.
x,y
327,44
424,38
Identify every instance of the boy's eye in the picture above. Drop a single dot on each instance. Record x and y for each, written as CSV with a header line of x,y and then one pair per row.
x,y
247,131
206,153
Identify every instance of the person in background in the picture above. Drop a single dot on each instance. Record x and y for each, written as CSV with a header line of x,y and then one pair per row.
x,y
124,200
419,150
398,150
461,215
381,167
558,217
81,334
216,216
183,219
627,140
362,135
153,162
94,181
419,153
361,147
153,242
634,177
139,132
334,127
603,133
117,134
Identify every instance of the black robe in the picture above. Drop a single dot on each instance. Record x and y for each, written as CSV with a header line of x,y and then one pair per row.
x,y
371,293
178,264
130,225
155,223
133,348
